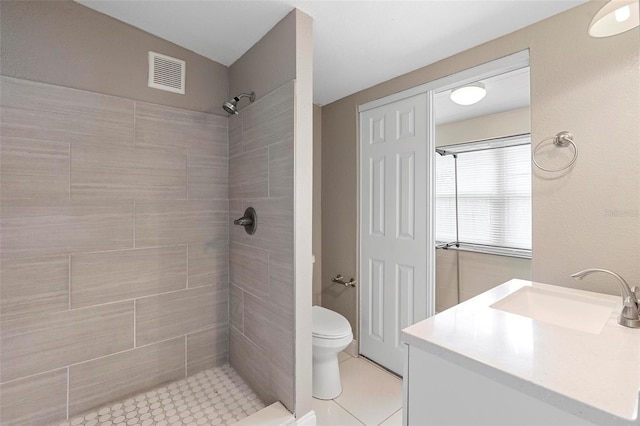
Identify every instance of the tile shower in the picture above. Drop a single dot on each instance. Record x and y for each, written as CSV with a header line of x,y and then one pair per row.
x,y
117,248
261,291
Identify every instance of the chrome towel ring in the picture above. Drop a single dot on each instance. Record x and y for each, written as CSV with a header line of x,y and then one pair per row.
x,y
561,140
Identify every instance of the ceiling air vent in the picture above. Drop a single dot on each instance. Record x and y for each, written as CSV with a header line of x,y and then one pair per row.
x,y
166,73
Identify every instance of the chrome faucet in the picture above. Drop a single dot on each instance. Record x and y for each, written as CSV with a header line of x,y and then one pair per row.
x,y
630,315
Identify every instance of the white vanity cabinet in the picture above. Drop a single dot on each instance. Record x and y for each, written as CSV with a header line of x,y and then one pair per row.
x,y
446,390
476,365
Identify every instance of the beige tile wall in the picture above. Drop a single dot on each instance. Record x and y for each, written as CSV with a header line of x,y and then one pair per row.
x,y
261,265
114,248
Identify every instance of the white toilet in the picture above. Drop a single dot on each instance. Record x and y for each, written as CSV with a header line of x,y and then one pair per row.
x,y
331,334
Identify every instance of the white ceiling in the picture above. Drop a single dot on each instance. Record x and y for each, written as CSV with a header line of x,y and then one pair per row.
x,y
357,44
505,92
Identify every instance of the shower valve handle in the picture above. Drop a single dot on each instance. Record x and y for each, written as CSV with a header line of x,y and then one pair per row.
x,y
249,221
243,221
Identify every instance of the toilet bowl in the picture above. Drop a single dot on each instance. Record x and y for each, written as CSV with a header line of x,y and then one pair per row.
x,y
331,334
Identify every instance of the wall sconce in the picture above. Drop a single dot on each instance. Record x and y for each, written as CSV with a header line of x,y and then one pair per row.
x,y
615,17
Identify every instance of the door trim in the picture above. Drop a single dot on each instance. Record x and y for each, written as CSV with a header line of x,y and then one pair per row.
x,y
501,65
498,66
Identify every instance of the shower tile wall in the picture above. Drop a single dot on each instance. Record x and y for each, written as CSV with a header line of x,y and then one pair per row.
x,y
115,248
261,265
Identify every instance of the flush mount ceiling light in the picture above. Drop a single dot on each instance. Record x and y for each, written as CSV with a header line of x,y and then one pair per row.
x,y
616,17
469,94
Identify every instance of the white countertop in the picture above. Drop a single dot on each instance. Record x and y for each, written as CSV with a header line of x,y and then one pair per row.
x,y
599,370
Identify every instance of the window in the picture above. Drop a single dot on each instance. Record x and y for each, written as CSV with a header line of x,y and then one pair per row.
x,y
493,185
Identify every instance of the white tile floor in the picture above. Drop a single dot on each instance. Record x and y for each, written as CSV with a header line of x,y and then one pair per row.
x,y
217,396
370,396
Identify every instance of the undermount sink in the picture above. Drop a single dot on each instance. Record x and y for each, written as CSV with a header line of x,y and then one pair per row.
x,y
577,311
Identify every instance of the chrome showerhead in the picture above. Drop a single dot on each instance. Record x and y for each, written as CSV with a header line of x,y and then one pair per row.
x,y
231,106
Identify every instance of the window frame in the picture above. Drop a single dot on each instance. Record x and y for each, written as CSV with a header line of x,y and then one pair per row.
x,y
481,145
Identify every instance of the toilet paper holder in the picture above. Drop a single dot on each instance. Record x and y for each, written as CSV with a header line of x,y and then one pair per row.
x,y
339,279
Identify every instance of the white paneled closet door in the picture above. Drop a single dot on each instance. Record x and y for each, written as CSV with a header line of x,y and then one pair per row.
x,y
393,226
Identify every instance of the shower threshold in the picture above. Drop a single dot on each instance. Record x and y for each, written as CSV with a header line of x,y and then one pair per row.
x,y
217,396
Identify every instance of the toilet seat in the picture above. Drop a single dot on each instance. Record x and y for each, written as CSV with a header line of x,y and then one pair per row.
x,y
327,324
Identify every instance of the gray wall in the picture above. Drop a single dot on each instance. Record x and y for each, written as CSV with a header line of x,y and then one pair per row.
x,y
94,181
262,291
269,64
271,169
114,214
583,218
67,44
114,248
261,168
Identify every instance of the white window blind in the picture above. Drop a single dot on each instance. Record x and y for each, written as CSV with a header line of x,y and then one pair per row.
x,y
494,194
